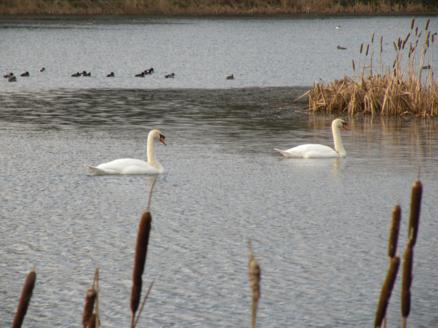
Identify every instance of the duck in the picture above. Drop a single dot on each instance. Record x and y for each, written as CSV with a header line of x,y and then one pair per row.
x,y
230,77
7,76
12,78
169,76
86,74
25,74
149,71
42,69
77,74
129,166
110,74
341,48
320,151
139,74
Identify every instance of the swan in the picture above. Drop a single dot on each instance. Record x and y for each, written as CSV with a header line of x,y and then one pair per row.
x,y
320,151
132,165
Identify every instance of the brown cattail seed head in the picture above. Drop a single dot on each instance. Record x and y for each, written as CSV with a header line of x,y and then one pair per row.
x,y
408,258
395,227
26,295
90,299
144,229
405,303
361,48
354,66
427,24
414,217
386,291
368,48
412,23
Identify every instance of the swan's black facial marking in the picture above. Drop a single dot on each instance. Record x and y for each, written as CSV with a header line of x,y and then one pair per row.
x,y
162,139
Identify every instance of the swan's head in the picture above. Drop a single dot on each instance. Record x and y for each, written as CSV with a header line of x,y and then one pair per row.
x,y
340,123
157,135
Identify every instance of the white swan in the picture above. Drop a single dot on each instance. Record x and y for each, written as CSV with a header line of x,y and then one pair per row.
x,y
132,165
320,151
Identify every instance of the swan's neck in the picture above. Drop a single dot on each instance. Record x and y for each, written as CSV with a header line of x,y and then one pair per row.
x,y
151,152
339,146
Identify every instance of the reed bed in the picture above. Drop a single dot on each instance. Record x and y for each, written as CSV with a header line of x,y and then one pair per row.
x,y
208,7
407,87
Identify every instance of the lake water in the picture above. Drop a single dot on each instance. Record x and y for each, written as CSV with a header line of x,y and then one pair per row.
x,y
319,227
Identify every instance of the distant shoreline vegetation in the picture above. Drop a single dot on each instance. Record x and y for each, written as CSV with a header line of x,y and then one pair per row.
x,y
218,7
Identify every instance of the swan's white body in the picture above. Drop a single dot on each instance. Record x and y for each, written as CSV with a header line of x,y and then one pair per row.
x,y
131,165
319,151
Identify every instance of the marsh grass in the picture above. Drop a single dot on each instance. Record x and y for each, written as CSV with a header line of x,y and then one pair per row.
x,y
207,7
407,87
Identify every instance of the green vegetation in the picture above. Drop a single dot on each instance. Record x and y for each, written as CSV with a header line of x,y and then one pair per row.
x,y
214,7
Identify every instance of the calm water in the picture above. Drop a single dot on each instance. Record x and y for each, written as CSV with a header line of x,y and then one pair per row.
x,y
319,227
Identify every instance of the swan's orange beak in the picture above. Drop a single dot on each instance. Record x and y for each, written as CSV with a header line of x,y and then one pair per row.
x,y
163,139
345,126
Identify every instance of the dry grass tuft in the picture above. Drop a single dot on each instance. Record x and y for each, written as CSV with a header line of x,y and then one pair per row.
x,y
406,88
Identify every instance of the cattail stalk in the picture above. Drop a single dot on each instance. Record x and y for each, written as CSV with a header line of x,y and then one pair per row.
x,y
414,217
254,277
395,227
406,282
141,249
386,291
26,295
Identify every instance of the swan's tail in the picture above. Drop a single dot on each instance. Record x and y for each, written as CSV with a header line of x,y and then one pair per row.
x,y
92,170
283,152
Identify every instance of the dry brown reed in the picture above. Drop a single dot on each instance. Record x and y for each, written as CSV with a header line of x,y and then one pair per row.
x,y
254,277
26,295
395,227
206,7
144,228
90,314
386,291
401,90
414,217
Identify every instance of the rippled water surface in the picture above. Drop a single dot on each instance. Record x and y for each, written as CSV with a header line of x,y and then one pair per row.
x,y
319,227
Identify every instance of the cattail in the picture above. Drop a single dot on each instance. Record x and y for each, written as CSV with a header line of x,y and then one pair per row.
x,y
412,23
361,48
416,31
406,40
254,276
26,295
354,66
90,298
406,282
414,218
427,24
395,227
140,259
368,48
399,43
381,44
372,38
395,46
92,322
386,291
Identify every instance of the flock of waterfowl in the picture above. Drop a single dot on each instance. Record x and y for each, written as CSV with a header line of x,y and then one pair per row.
x,y
11,77
125,166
